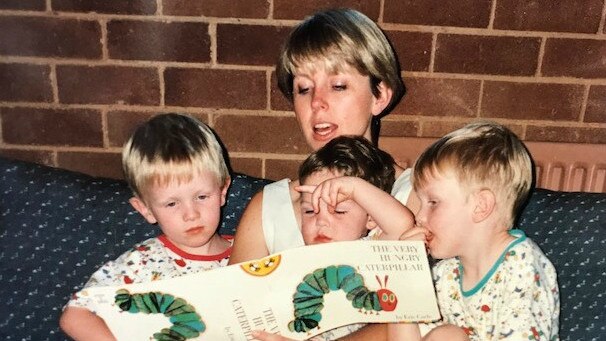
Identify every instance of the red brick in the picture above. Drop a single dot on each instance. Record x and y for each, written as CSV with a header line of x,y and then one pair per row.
x,y
532,101
25,82
249,44
52,127
596,105
440,97
107,165
121,124
141,7
70,38
566,134
399,128
213,88
261,134
152,40
296,9
462,13
248,166
486,54
32,5
108,85
412,48
218,8
281,169
441,128
582,16
36,156
278,101
575,58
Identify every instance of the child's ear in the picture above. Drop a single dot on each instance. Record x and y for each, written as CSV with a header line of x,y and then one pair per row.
x,y
140,206
371,224
224,191
485,202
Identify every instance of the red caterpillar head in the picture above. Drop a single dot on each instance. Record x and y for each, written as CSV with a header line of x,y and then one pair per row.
x,y
387,299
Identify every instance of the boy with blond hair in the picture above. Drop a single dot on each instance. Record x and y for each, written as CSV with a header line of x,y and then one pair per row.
x,y
176,170
492,283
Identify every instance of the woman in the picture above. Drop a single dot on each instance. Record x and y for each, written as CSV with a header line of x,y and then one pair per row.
x,y
341,74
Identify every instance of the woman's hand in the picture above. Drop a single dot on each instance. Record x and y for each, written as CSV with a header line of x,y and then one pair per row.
x,y
265,336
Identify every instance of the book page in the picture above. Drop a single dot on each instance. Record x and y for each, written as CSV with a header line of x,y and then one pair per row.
x,y
297,293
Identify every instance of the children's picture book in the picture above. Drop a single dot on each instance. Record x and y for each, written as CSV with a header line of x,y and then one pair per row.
x,y
297,293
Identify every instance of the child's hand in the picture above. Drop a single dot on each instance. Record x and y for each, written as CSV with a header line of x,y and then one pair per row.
x,y
332,191
417,233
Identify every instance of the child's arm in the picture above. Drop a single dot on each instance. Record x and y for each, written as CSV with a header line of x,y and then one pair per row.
x,y
387,212
82,324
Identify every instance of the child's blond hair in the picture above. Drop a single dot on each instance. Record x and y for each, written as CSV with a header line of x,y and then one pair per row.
x,y
171,147
481,155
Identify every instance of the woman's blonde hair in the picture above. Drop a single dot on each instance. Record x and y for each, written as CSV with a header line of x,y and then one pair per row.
x,y
481,155
171,147
339,38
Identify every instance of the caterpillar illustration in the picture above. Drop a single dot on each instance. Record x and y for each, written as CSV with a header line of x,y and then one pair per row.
x,y
309,297
187,324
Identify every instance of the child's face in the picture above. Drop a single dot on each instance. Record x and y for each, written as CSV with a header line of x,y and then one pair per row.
x,y
446,211
188,213
329,105
348,221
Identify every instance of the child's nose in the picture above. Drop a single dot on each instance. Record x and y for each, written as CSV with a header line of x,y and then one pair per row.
x,y
190,212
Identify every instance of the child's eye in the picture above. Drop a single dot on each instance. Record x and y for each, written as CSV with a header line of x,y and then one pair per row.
x,y
340,211
171,204
308,212
202,197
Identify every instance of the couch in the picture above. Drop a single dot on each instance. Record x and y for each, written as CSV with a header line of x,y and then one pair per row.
x,y
58,226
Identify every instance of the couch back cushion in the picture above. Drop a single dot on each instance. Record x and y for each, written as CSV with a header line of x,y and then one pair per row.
x,y
570,228
57,227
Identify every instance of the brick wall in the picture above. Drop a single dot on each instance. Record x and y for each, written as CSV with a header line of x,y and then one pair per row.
x,y
77,75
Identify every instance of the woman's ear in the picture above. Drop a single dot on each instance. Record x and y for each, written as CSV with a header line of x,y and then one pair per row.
x,y
224,191
485,202
382,100
140,206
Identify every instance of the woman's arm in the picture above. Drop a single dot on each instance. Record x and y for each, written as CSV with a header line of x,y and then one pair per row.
x,y
249,241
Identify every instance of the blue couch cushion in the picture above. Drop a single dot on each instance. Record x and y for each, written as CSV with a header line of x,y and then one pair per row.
x,y
58,227
570,228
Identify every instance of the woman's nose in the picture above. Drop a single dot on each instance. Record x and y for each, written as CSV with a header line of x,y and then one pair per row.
x,y
318,100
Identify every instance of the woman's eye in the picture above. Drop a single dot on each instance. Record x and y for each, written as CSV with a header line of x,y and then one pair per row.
x,y
339,87
302,90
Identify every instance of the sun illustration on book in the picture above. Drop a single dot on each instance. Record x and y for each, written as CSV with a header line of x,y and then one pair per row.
x,y
263,266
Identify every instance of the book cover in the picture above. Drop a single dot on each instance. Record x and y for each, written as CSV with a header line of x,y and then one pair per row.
x,y
297,293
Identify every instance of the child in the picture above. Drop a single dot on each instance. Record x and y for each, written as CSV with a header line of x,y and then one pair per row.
x,y
345,189
493,282
175,168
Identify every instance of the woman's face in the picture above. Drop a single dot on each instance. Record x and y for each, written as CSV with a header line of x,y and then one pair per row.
x,y
329,104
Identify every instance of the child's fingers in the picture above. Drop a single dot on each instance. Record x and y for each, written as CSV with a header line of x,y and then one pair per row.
x,y
416,233
305,188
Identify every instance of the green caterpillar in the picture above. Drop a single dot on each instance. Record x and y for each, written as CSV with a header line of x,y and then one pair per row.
x,y
187,324
308,299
